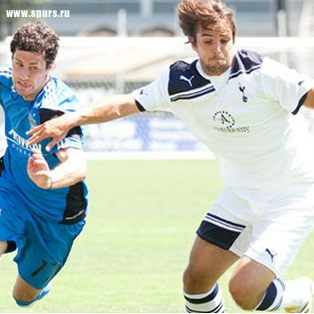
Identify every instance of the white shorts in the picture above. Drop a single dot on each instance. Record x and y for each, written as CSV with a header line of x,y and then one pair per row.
x,y
267,227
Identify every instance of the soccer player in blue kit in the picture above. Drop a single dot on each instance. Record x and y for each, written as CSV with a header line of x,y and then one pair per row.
x,y
43,197
247,109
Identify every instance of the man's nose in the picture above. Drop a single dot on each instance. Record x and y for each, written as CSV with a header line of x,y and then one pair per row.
x,y
217,46
23,74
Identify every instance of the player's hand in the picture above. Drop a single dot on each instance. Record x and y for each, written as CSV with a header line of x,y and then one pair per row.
x,y
56,128
38,170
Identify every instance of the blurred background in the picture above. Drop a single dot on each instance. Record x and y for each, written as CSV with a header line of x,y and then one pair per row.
x,y
155,17
110,47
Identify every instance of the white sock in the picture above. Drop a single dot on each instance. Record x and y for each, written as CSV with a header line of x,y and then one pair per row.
x,y
210,302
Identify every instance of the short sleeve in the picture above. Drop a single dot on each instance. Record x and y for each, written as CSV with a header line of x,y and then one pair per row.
x,y
284,85
154,96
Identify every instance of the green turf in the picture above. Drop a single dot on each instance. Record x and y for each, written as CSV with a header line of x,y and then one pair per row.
x,y
132,253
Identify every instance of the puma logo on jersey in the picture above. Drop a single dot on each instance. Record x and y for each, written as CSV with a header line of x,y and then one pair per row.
x,y
189,80
142,92
242,90
272,255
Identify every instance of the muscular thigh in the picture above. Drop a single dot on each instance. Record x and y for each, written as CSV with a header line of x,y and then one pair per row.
x,y
249,282
252,274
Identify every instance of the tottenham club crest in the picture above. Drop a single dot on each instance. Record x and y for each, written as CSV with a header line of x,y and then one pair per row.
x,y
242,90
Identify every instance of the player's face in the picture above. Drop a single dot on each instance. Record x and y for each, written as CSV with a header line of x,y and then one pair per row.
x,y
215,48
29,73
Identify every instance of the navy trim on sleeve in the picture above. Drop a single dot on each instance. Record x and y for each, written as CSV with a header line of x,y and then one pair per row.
x,y
76,205
47,114
11,247
300,104
139,106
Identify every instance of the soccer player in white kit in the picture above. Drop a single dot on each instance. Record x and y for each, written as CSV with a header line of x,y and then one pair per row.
x,y
245,108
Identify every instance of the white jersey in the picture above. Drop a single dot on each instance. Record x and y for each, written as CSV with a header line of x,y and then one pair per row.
x,y
247,117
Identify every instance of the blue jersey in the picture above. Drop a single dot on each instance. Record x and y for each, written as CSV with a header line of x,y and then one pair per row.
x,y
66,205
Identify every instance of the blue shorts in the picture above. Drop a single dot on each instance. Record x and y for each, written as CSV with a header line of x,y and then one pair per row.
x,y
43,246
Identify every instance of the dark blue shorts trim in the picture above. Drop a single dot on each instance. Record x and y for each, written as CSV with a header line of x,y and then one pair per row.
x,y
217,235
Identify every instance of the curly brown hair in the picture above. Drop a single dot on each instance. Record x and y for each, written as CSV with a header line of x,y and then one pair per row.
x,y
195,13
36,37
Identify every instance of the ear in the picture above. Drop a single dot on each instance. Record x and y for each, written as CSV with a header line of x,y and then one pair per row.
x,y
192,41
51,66
50,69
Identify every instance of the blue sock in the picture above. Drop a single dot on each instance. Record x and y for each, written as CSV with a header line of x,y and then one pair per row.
x,y
43,293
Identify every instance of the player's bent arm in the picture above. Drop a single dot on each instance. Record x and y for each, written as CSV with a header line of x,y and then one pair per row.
x,y
71,170
309,100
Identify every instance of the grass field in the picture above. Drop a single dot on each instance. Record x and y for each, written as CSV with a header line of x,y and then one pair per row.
x,y
131,255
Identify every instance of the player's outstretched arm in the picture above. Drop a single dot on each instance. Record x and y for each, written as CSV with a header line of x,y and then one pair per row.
x,y
56,128
116,107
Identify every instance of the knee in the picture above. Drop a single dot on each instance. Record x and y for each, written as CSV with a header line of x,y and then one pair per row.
x,y
243,294
23,301
190,279
197,280
24,297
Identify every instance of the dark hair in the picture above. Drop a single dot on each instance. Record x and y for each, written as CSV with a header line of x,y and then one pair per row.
x,y
195,13
36,37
